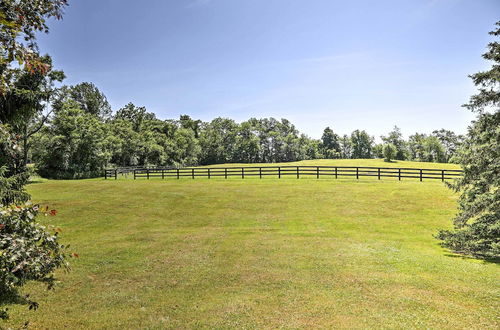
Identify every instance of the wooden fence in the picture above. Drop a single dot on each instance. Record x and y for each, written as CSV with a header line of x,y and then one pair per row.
x,y
280,171
130,169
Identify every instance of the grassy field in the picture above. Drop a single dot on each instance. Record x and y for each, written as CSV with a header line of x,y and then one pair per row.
x,y
261,254
355,162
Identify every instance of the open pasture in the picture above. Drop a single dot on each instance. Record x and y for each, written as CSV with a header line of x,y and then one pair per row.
x,y
255,253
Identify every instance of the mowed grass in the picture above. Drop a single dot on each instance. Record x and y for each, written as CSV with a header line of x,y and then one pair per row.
x,y
256,253
351,162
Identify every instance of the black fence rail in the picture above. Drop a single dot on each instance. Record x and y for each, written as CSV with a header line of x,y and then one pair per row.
x,y
114,172
280,171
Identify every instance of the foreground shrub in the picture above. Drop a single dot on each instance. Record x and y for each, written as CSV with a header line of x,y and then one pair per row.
x,y
28,252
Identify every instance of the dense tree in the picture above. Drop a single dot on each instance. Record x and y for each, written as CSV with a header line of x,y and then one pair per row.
x,y
217,141
433,150
136,115
396,139
312,148
416,147
78,146
345,147
362,144
378,150
451,143
188,123
88,97
390,151
477,224
330,146
247,144
185,148
124,142
426,148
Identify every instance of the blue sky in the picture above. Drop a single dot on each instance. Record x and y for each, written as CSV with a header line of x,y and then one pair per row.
x,y
344,64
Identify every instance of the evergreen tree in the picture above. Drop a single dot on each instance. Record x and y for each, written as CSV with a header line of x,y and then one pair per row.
x,y
477,224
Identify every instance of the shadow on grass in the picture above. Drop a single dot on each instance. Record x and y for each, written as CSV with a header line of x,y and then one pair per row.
x,y
12,297
492,260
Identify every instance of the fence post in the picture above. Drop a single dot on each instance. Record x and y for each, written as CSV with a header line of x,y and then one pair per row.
x,y
335,172
147,172
442,175
134,173
209,173
260,172
297,172
105,174
420,175
116,173
379,173
162,173
357,172
242,172
317,172
225,173
399,174
192,173
279,172
178,176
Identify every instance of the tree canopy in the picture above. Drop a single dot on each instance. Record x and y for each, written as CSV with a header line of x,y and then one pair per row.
x,y
20,20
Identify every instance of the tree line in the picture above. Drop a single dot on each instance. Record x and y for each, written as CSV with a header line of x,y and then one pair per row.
x,y
81,135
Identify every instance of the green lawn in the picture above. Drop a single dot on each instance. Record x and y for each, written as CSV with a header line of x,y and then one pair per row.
x,y
356,162
261,254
